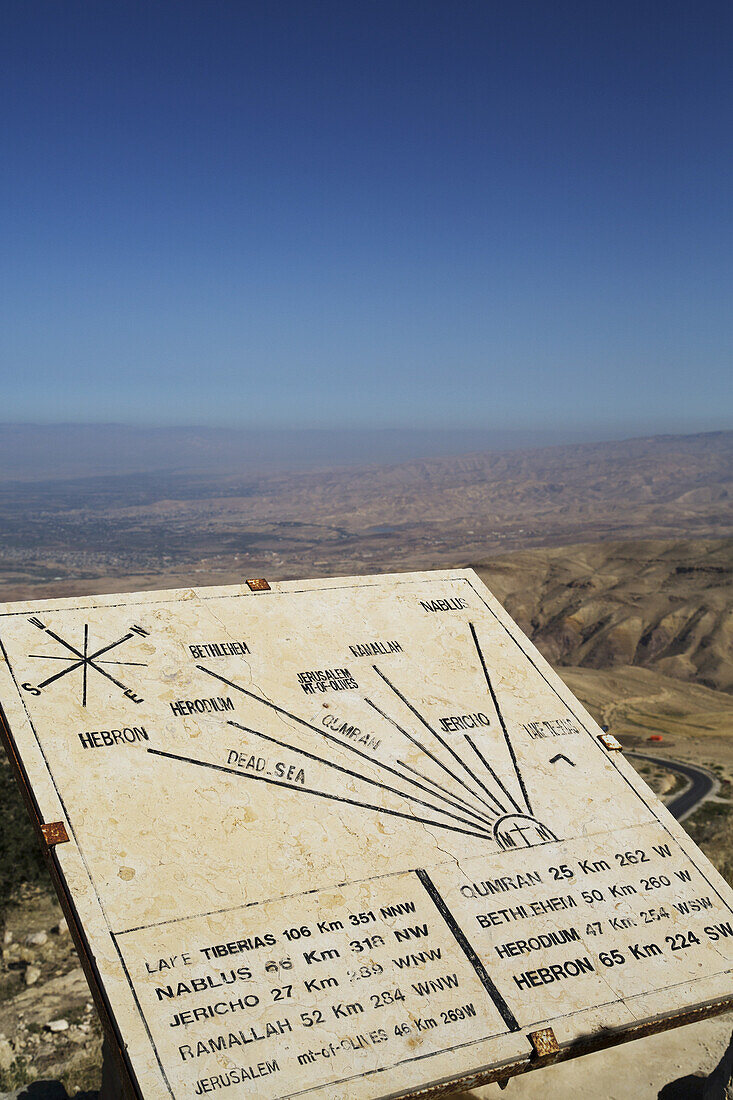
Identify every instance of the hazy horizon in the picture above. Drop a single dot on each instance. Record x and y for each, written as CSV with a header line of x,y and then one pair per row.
x,y
31,452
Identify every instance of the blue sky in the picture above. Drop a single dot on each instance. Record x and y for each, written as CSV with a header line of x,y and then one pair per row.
x,y
456,215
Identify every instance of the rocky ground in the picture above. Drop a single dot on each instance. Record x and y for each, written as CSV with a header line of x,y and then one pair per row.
x,y
49,1028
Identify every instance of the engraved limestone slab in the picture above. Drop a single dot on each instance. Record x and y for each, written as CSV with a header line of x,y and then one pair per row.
x,y
347,838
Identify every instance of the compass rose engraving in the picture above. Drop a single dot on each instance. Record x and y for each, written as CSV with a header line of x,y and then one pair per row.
x,y
85,659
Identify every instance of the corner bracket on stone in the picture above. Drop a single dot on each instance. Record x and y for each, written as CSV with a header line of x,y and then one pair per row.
x,y
54,833
544,1043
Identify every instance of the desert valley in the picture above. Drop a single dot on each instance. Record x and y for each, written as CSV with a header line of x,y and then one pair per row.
x,y
616,559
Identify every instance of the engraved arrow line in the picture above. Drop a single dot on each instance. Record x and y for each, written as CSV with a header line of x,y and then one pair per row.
x,y
322,733
318,794
493,774
86,663
500,716
436,759
354,775
442,741
461,805
55,657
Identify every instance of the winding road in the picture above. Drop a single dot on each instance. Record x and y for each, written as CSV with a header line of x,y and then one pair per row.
x,y
702,783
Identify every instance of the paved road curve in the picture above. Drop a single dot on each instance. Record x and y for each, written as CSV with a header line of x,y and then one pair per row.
x,y
701,786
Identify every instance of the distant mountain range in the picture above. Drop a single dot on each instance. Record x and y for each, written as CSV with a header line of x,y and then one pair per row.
x,y
155,528
35,452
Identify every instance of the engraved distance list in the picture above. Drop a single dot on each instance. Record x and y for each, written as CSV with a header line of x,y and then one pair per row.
x,y
419,962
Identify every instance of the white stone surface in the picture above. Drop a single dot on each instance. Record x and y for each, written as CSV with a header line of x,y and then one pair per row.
x,y
347,838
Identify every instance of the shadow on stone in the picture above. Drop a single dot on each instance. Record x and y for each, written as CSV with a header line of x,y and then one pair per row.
x,y
40,1090
690,1087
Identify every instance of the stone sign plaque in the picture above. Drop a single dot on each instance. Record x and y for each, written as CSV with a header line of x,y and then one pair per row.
x,y
347,838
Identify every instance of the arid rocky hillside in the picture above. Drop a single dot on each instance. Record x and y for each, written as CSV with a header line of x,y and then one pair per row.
x,y
666,605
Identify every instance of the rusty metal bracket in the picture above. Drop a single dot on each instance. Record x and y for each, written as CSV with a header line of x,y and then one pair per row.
x,y
544,1043
259,584
609,742
54,833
